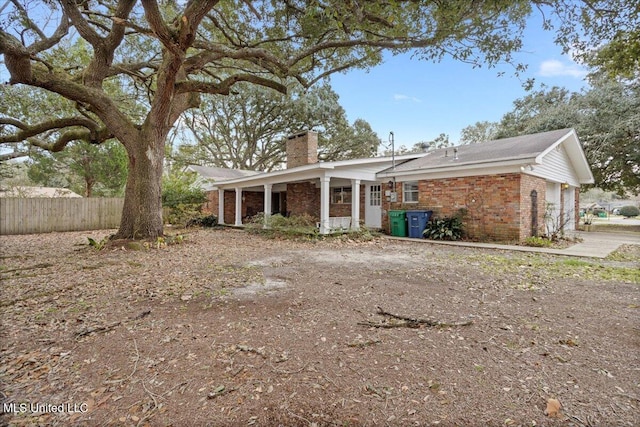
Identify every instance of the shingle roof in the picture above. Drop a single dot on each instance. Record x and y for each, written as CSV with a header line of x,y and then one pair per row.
x,y
515,148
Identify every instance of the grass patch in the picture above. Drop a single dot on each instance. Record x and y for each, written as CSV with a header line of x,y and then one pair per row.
x,y
538,242
575,263
539,267
625,253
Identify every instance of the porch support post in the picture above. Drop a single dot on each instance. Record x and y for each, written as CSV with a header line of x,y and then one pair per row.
x,y
238,206
355,204
220,206
324,205
267,204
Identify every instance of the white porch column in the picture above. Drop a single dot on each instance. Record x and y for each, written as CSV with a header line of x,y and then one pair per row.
x,y
220,206
267,204
355,204
324,205
238,206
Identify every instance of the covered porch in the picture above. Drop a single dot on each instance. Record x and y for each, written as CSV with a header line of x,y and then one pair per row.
x,y
339,198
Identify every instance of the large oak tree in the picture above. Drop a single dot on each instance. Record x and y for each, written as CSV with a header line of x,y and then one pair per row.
x,y
248,128
172,53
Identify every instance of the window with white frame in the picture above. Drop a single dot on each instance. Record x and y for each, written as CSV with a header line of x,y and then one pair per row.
x,y
375,195
340,195
410,192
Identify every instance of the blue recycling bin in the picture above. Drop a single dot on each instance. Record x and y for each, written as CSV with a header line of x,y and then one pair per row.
x,y
417,222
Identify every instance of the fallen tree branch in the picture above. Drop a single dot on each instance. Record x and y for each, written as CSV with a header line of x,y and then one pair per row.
x,y
32,267
106,328
410,322
110,326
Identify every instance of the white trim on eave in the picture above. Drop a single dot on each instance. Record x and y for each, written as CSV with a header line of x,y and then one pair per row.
x,y
336,169
486,168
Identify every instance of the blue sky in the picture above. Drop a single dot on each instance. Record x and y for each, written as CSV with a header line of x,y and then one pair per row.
x,y
418,100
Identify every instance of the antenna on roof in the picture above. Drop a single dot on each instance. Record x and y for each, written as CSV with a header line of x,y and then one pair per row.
x,y
393,151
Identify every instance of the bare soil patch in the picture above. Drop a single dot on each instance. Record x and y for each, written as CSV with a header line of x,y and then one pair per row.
x,y
232,329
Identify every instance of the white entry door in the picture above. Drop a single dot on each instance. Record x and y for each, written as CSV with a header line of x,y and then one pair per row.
x,y
373,206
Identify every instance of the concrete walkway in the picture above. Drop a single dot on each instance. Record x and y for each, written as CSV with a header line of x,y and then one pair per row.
x,y
593,245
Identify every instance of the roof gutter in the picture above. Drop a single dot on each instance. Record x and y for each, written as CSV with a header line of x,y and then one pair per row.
x,y
458,167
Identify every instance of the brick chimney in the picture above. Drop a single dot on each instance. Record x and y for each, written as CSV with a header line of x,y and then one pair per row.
x,y
302,149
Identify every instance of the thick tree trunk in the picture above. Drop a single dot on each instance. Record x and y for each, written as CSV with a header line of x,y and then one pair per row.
x,y
142,211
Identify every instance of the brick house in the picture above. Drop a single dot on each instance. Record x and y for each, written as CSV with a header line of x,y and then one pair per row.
x,y
346,190
504,187
508,189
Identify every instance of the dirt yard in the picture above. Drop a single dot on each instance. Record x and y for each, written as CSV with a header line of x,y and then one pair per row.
x,y
228,329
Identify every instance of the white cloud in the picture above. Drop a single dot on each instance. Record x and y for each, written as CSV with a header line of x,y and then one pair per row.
x,y
555,68
401,97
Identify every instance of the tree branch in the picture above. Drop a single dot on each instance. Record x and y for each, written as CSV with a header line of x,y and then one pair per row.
x,y
116,35
223,87
17,58
86,32
89,131
13,155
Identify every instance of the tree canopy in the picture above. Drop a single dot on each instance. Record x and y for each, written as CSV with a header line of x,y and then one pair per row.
x,y
248,128
167,56
87,169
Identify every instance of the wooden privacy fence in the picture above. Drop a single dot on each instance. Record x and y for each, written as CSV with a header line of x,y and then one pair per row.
x,y
44,215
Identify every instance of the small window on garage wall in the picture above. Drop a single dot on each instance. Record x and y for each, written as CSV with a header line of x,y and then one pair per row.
x,y
410,192
341,195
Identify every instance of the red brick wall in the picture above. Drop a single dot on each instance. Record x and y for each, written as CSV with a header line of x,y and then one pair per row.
x,y
252,204
302,149
496,207
527,185
303,198
211,204
229,207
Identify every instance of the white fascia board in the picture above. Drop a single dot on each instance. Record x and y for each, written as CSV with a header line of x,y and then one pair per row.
x,y
347,174
337,169
568,135
286,175
375,160
486,168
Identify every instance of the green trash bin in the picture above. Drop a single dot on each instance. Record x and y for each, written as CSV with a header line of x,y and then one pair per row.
x,y
398,221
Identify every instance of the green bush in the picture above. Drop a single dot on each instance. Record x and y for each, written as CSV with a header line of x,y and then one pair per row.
x,y
447,228
281,226
203,221
629,211
182,196
537,242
